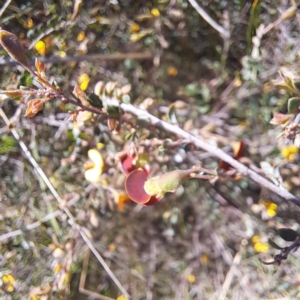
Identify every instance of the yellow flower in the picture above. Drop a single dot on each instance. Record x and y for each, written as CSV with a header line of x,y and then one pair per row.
x,y
8,279
83,81
93,173
289,152
29,23
80,36
270,207
172,71
57,268
40,47
134,27
204,259
237,82
255,239
155,12
100,146
191,278
9,282
62,53
112,247
122,297
261,247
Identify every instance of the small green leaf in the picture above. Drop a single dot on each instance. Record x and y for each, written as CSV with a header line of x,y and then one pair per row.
x,y
293,104
288,234
7,144
112,106
297,85
172,118
94,100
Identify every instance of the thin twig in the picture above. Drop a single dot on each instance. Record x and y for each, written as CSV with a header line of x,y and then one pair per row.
x,y
53,95
4,7
223,32
88,57
217,152
31,226
230,275
65,209
62,25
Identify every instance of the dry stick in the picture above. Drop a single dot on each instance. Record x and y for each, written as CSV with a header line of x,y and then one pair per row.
x,y
88,57
217,152
4,7
62,25
223,32
230,275
60,201
31,226
36,224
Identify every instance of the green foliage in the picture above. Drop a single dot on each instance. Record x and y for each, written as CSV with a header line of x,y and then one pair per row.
x,y
7,144
219,90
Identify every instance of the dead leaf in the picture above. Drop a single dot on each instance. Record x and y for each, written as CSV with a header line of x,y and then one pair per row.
x,y
33,107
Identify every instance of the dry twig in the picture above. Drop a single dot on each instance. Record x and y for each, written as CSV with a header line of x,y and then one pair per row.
x,y
217,152
72,221
222,31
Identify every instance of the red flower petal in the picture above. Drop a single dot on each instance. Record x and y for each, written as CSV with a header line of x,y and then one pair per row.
x,y
153,200
134,186
127,164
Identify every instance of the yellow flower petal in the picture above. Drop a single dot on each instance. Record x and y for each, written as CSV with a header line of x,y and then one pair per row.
x,y
271,212
287,151
57,268
96,157
9,288
134,27
261,247
172,71
8,279
92,175
29,23
291,157
237,82
80,36
204,259
40,47
191,278
122,297
255,239
100,146
155,12
83,81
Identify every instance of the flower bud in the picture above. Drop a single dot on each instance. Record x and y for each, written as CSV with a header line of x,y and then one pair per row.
x,y
167,182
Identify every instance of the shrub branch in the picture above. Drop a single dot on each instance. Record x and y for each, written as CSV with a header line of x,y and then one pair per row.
x,y
217,152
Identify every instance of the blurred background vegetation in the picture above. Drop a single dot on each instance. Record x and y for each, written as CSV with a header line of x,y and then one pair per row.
x,y
202,242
